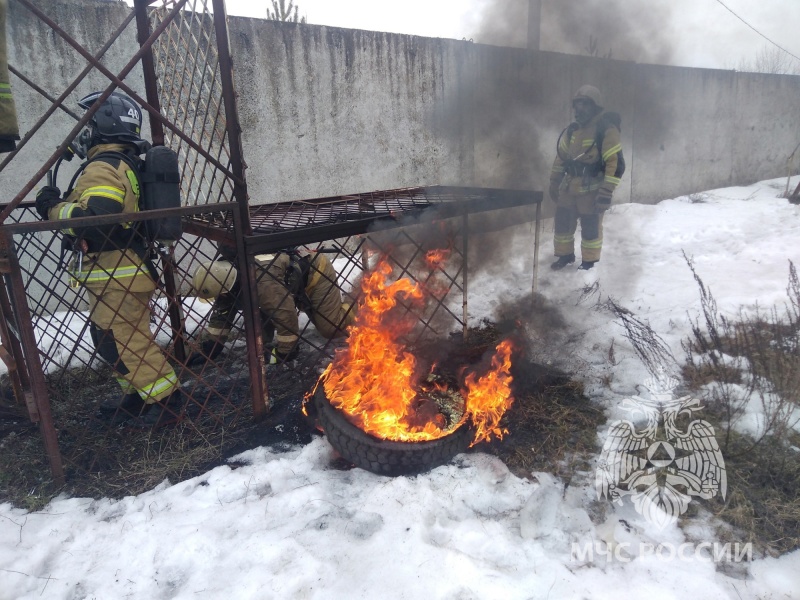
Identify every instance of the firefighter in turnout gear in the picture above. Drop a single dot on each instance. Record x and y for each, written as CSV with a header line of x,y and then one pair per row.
x,y
287,282
9,128
583,178
111,263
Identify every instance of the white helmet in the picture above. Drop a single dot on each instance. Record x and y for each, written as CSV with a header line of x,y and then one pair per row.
x,y
213,278
589,92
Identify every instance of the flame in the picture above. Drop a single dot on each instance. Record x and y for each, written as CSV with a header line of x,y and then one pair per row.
x,y
375,380
434,258
489,397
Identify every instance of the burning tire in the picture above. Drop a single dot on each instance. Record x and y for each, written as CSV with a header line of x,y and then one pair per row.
x,y
386,457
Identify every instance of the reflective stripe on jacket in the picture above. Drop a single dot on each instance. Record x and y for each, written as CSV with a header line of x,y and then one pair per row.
x,y
580,148
105,187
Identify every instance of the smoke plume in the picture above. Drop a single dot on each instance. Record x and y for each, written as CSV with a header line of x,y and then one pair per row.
x,y
619,29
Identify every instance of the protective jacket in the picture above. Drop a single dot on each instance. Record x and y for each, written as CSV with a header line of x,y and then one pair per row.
x,y
578,168
288,283
9,128
114,273
115,252
583,172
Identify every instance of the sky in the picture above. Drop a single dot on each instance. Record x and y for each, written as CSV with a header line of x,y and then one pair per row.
x,y
698,33
288,524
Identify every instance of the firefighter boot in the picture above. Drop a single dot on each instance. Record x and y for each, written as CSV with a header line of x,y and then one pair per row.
x,y
129,407
562,262
168,411
586,265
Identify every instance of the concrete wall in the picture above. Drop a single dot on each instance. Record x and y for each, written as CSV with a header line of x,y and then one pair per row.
x,y
35,50
328,111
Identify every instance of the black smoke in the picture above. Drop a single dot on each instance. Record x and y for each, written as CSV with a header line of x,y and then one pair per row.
x,y
621,29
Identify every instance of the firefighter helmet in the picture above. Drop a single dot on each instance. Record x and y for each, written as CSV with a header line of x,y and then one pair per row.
x,y
589,92
213,278
119,119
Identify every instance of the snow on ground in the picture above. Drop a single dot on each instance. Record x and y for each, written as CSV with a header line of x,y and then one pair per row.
x,y
289,525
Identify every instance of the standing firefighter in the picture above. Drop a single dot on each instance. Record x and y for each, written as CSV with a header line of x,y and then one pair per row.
x,y
585,173
287,282
110,261
9,129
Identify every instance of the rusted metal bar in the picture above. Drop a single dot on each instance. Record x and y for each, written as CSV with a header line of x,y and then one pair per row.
x,y
11,351
116,82
157,137
33,361
93,109
465,278
8,315
20,394
208,231
161,213
42,92
148,69
59,101
233,127
253,332
176,319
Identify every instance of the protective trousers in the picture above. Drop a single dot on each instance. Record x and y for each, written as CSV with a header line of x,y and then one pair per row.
x,y
328,314
120,328
325,308
569,209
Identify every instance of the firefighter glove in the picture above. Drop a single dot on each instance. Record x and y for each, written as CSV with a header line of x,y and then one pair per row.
x,y
209,350
554,191
46,199
602,201
277,357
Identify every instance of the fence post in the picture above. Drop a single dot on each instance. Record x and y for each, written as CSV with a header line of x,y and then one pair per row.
x,y
24,323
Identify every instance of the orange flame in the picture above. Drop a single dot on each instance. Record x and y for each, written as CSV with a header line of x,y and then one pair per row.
x,y
434,258
375,381
489,397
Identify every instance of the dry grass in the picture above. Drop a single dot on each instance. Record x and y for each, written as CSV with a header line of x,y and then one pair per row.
x,y
753,362
552,426
764,487
102,461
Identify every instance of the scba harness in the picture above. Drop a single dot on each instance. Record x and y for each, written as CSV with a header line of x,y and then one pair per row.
x,y
157,180
577,168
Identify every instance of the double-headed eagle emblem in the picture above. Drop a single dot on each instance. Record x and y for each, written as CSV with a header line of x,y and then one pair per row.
x,y
660,465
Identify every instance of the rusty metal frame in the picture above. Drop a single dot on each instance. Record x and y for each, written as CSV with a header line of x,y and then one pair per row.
x,y
17,340
251,229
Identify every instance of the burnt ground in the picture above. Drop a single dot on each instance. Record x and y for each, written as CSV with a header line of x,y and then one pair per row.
x,y
551,426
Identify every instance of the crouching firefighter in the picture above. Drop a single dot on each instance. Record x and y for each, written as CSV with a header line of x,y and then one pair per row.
x,y
287,282
111,262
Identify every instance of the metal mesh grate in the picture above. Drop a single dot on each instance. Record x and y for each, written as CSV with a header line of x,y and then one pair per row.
x,y
63,381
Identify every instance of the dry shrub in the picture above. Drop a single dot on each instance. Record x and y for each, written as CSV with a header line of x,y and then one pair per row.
x,y
753,359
